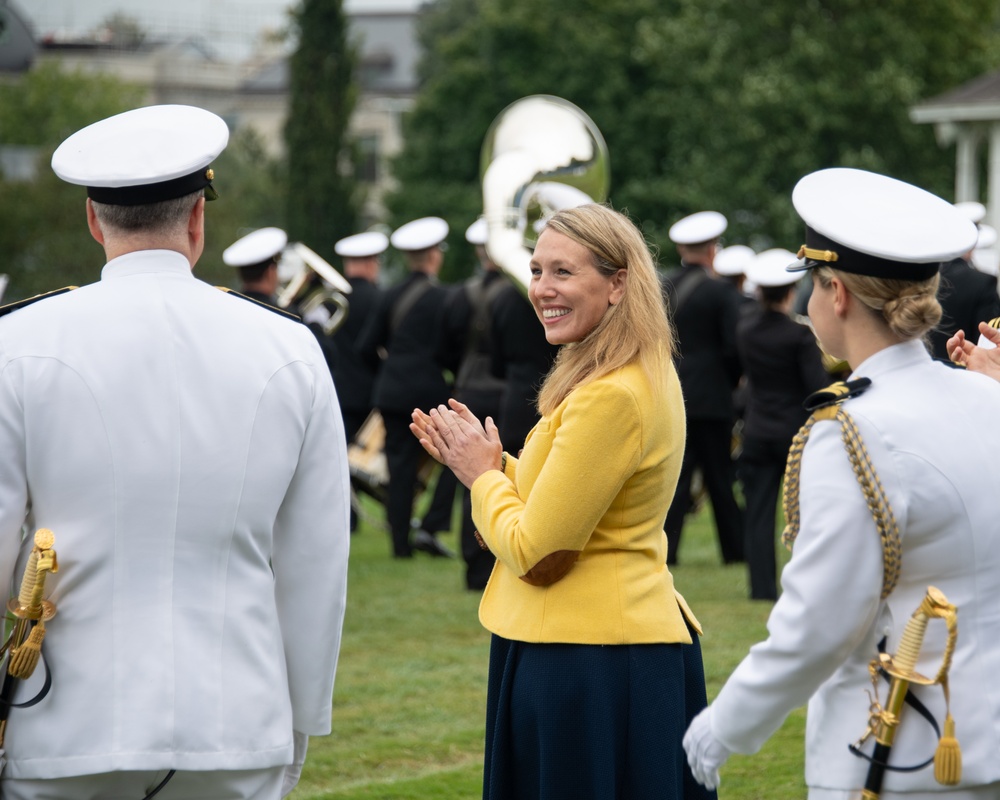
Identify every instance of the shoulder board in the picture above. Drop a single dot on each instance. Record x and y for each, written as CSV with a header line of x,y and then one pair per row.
x,y
994,323
7,309
837,393
260,303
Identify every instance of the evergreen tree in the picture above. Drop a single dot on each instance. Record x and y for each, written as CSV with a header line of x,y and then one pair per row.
x,y
323,197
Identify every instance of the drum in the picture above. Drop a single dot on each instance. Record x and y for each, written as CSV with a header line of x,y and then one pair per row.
x,y
366,458
367,463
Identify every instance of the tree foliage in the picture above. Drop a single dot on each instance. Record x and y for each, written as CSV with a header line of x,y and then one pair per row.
x,y
718,104
44,237
323,198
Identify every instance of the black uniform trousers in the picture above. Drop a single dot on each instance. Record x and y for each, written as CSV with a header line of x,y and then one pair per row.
x,y
403,454
478,562
708,443
761,469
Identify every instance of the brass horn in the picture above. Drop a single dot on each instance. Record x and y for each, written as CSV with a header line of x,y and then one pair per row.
x,y
313,282
541,154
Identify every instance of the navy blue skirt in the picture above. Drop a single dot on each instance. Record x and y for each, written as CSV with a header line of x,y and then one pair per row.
x,y
591,722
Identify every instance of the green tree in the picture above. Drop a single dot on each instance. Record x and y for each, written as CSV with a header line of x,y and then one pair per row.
x,y
44,237
704,103
323,197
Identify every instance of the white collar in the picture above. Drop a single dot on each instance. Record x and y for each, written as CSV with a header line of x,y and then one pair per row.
x,y
904,354
146,261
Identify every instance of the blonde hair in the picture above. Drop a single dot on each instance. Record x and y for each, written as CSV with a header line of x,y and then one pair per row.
x,y
636,327
910,309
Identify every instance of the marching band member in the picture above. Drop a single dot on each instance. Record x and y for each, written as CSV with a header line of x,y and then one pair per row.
x,y
890,489
353,377
783,366
185,447
705,311
404,326
255,258
465,347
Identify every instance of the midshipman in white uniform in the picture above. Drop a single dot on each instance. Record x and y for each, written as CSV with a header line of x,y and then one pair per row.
x,y
185,447
927,442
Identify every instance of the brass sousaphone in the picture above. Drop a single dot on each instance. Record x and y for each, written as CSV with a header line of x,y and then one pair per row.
x,y
540,155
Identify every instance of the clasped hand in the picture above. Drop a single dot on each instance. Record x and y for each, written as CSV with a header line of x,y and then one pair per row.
x,y
454,436
976,359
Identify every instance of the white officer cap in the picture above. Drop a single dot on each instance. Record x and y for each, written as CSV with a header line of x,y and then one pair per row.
x,y
733,260
362,245
476,232
770,268
987,237
255,248
145,155
698,228
973,211
870,224
419,234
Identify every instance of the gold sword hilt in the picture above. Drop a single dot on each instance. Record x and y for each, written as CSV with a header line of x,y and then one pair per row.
x,y
30,615
29,609
903,664
902,670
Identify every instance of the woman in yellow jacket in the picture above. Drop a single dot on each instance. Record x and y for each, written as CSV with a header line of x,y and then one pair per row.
x,y
594,666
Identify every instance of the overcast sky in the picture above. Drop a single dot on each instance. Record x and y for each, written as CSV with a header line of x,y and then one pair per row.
x,y
233,25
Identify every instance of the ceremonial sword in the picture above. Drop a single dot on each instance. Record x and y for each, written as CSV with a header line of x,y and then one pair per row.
x,y
31,613
884,720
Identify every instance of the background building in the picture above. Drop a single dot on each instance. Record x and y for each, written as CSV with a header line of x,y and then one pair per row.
x,y
231,58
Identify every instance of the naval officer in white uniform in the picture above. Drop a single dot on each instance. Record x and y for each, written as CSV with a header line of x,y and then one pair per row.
x,y
185,447
874,246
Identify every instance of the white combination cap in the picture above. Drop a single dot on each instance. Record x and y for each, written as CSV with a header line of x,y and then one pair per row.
x,y
362,245
419,234
477,231
698,228
733,260
870,224
770,268
145,155
255,248
987,237
973,211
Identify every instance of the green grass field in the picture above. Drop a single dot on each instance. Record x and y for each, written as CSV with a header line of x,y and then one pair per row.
x,y
409,705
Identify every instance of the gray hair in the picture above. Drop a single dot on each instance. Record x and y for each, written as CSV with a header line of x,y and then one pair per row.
x,y
161,217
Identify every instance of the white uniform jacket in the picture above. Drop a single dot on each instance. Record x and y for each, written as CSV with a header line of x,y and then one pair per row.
x,y
933,434
186,449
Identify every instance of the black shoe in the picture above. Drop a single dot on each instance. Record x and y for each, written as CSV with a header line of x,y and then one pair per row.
x,y
426,543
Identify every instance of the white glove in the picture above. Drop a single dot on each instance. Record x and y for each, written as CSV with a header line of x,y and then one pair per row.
x,y
294,770
705,753
318,316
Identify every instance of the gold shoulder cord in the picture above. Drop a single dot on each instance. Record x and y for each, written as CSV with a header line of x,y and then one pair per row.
x,y
870,484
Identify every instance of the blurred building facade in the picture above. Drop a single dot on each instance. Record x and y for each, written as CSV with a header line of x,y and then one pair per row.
x,y
968,117
252,91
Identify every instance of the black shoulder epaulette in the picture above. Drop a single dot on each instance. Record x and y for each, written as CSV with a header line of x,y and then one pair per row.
x,y
7,309
260,303
994,323
836,393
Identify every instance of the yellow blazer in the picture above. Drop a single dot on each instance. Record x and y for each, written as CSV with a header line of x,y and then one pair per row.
x,y
576,522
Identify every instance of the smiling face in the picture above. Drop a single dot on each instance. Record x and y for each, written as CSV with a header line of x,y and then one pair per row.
x,y
569,294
